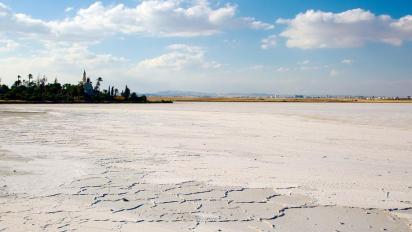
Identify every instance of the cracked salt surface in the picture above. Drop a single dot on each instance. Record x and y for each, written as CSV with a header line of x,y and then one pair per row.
x,y
191,167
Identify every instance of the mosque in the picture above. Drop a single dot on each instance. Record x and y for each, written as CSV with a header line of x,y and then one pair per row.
x,y
87,85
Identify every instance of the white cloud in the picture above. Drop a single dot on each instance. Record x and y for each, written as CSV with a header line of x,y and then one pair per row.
x,y
268,42
180,18
8,45
283,69
334,73
11,23
68,9
252,23
179,57
404,24
220,15
352,28
303,66
347,61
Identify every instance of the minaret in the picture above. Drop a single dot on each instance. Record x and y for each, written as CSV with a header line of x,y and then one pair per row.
x,y
84,76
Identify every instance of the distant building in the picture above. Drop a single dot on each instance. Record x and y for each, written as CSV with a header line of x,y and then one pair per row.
x,y
84,76
87,85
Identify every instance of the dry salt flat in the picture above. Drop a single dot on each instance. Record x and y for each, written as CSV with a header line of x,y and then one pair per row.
x,y
206,167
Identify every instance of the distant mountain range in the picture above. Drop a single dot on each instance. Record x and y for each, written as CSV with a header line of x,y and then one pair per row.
x,y
176,93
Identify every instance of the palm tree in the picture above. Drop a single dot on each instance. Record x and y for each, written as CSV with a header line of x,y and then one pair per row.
x,y
98,80
18,82
30,76
43,80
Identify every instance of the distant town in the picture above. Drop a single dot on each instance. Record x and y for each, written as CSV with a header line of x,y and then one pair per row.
x,y
262,97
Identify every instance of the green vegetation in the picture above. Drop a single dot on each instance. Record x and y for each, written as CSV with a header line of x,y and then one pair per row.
x,y
41,91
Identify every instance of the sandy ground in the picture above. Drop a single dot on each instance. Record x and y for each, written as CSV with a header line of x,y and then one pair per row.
x,y
206,167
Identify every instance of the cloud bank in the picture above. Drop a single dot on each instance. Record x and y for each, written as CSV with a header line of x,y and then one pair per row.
x,y
352,28
268,42
170,18
179,57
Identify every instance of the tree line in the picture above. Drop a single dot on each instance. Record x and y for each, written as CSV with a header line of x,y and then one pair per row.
x,y
40,90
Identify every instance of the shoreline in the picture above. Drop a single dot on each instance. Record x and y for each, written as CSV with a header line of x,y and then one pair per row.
x,y
169,100
278,100
8,102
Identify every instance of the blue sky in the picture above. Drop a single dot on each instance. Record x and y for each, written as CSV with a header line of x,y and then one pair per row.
x,y
268,46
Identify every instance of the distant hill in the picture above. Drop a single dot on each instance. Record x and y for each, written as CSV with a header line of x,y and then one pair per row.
x,y
177,93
